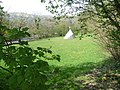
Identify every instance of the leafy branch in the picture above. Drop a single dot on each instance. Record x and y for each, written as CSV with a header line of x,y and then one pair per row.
x,y
6,70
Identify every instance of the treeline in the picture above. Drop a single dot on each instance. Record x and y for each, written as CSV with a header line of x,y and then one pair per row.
x,y
42,26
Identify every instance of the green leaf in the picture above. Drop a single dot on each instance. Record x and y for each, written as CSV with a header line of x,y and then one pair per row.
x,y
1,39
42,0
12,81
56,57
24,43
39,48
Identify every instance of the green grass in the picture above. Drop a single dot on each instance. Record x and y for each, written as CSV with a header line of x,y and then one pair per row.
x,y
81,65
73,52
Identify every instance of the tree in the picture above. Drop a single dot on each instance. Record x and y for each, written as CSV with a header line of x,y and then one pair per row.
x,y
23,68
109,14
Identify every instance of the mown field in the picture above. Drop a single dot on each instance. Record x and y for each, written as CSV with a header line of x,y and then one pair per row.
x,y
73,52
84,65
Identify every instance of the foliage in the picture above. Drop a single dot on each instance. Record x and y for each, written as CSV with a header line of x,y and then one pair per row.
x,y
105,18
63,8
109,19
24,68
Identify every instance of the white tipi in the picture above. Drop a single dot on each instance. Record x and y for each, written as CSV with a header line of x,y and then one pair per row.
x,y
69,34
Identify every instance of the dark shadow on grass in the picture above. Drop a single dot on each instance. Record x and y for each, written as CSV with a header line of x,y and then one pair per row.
x,y
104,75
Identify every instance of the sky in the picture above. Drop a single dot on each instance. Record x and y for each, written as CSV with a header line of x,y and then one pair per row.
x,y
26,6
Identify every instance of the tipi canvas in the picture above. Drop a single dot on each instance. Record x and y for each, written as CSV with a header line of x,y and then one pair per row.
x,y
69,34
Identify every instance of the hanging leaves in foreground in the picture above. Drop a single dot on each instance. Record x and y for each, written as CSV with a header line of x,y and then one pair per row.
x,y
24,68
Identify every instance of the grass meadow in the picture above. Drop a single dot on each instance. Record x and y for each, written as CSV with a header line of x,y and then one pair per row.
x,y
82,67
73,52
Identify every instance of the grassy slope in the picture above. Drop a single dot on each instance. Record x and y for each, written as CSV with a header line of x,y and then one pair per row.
x,y
72,52
83,65
78,59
